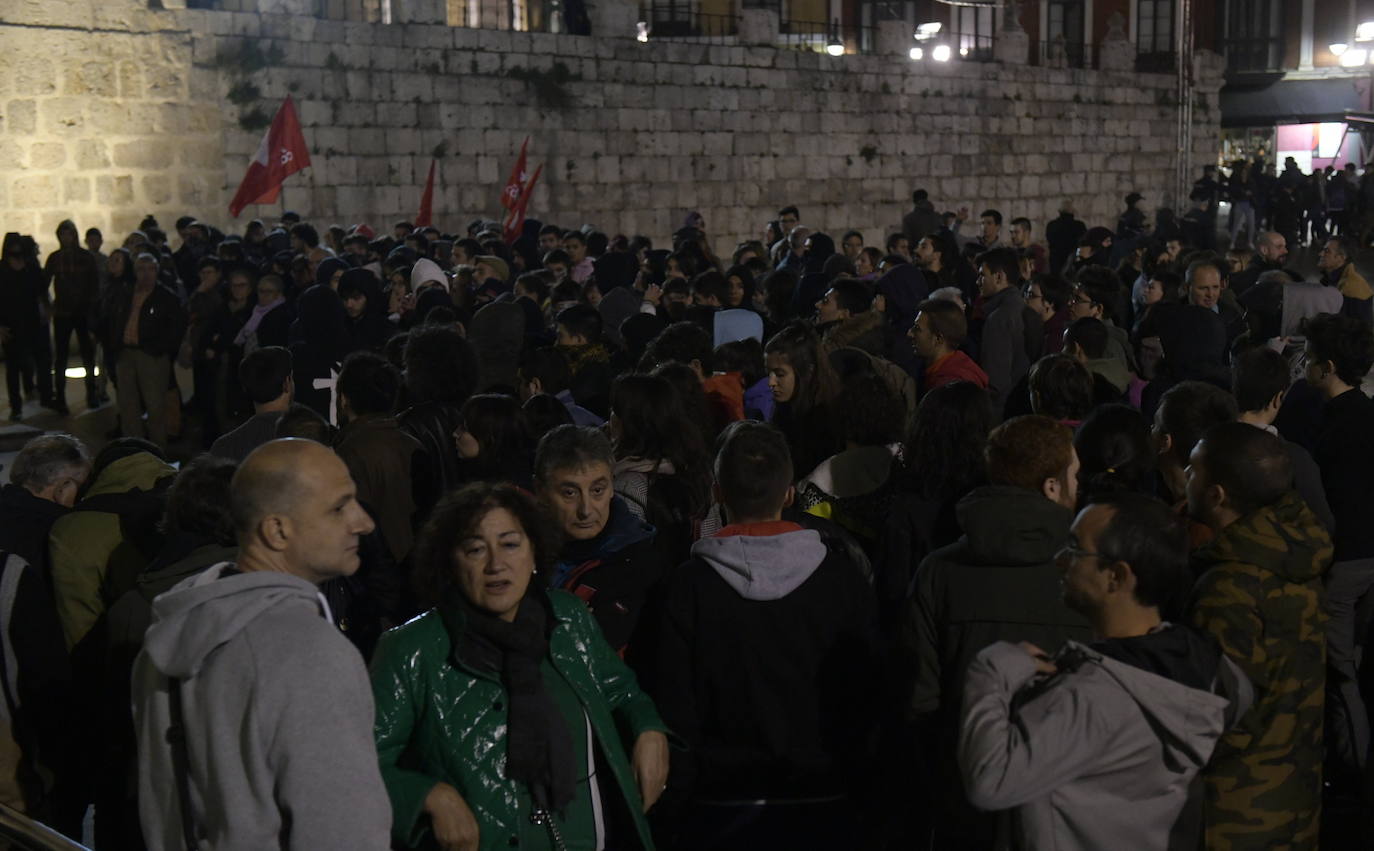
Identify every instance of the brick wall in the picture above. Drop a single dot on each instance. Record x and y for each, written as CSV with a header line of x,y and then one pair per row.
x,y
111,111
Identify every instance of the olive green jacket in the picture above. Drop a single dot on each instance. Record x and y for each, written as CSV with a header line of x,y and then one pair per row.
x,y
449,722
1260,595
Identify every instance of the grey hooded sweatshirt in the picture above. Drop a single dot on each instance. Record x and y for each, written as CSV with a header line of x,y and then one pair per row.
x,y
766,665
1101,754
278,716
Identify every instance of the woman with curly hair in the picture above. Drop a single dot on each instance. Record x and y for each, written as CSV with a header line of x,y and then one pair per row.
x,y
500,710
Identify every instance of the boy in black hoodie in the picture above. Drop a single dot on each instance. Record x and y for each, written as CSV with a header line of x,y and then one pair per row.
x,y
766,666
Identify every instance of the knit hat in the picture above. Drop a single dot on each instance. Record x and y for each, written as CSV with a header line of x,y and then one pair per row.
x,y
426,270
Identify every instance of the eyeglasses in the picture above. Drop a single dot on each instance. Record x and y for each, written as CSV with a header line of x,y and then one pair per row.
x,y
1080,299
1030,294
1069,552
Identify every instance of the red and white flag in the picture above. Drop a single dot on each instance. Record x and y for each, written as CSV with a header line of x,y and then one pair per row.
x,y
283,152
424,218
515,184
515,220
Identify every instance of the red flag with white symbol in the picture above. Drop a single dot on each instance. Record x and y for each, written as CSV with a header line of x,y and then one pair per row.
x,y
515,184
283,152
515,221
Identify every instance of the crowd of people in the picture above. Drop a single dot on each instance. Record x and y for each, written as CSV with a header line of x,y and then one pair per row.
x,y
941,540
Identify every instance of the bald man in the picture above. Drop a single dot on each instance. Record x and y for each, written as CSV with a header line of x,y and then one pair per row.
x,y
272,703
1271,251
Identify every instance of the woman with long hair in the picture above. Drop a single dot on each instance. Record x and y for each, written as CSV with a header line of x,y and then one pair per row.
x,y
662,469
942,461
804,387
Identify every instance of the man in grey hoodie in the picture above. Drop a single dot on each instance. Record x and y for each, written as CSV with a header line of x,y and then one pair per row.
x,y
767,667
254,714
1099,746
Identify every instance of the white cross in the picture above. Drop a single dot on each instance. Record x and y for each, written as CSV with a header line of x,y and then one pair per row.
x,y
330,382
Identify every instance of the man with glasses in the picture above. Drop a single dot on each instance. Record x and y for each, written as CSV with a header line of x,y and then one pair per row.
x,y
997,583
1096,295
1097,745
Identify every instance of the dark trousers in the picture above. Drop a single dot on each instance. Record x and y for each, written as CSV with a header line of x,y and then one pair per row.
x,y
205,377
751,826
27,365
63,327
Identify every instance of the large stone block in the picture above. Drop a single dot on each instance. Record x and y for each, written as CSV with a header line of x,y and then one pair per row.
x,y
34,191
94,79
21,117
34,77
46,155
76,189
143,154
114,189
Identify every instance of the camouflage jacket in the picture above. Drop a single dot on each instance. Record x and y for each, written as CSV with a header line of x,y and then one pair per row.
x,y
1260,594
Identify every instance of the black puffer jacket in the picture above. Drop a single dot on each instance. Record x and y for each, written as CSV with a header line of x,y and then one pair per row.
x,y
998,582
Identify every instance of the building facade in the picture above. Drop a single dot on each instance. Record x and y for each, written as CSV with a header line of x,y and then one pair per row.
x,y
113,110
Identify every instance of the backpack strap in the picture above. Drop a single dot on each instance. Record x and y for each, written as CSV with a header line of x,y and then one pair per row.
x,y
181,764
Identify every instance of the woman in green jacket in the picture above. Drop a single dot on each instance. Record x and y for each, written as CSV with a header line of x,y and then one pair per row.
x,y
500,710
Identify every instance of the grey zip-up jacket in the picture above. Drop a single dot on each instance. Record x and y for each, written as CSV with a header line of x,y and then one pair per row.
x,y
278,718
1100,755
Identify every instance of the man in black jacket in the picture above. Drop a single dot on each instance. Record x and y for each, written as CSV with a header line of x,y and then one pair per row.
x,y
23,296
998,582
766,666
145,330
45,478
1063,234
1339,352
1271,250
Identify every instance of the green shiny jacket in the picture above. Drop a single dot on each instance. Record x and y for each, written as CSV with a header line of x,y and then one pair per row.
x,y
440,720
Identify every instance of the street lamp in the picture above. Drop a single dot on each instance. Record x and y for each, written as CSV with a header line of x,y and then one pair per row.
x,y
834,46
1353,54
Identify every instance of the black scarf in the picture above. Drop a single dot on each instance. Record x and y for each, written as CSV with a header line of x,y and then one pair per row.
x,y
539,750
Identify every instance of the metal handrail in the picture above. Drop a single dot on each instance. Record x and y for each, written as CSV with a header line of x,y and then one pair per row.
x,y
30,835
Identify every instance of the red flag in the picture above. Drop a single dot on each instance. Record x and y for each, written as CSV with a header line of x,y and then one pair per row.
x,y
283,152
515,222
426,214
515,184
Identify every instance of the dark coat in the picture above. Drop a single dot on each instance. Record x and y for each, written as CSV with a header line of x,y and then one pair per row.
x,y
768,686
161,322
1062,234
432,424
21,294
384,462
617,574
998,582
25,521
1345,454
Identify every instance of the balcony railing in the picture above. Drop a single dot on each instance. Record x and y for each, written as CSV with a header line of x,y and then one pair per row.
x,y
1252,54
1162,62
677,23
972,47
816,37
1060,53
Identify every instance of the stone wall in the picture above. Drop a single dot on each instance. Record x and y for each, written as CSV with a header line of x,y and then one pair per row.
x,y
111,111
